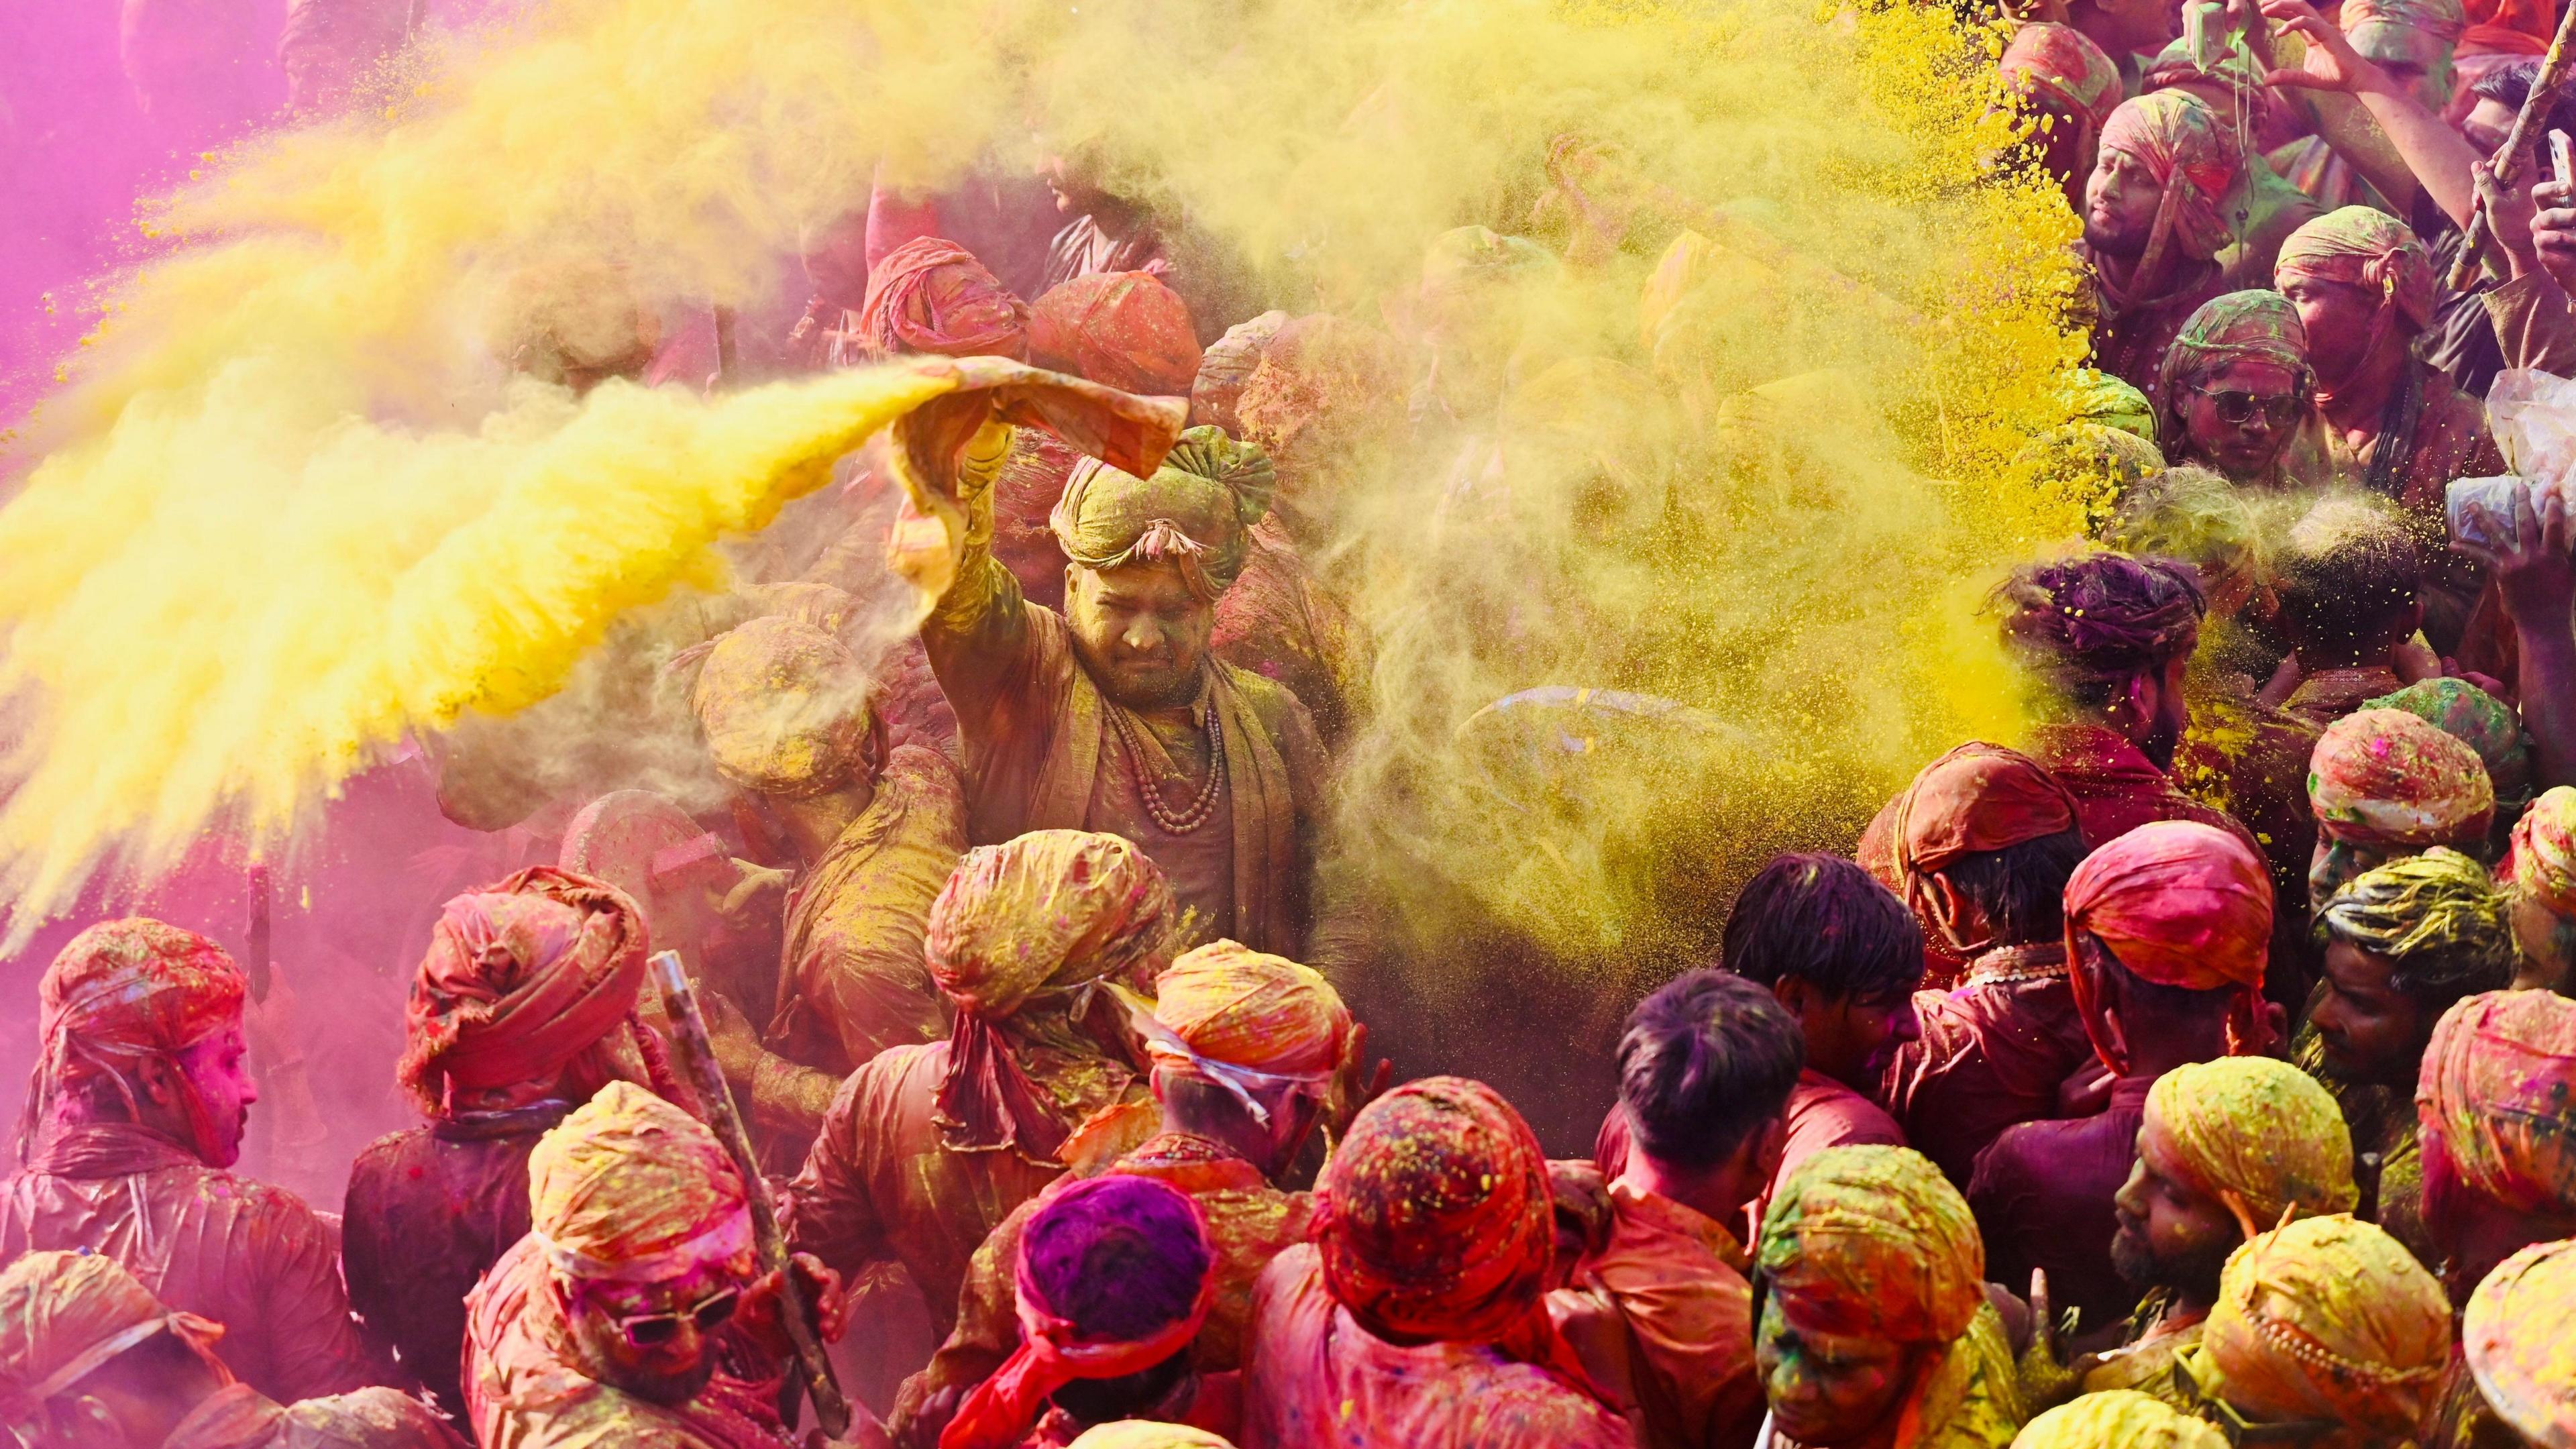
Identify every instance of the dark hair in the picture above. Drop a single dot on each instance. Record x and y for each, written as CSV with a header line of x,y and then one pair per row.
x,y
1826,921
2348,581
2152,1006
2440,923
1705,1063
2089,625
2021,888
2509,84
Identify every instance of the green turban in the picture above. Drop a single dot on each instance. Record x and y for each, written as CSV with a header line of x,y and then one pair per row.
x,y
1197,511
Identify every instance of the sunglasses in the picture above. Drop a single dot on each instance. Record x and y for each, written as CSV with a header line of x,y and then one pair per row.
x,y
2239,408
2235,1428
653,1330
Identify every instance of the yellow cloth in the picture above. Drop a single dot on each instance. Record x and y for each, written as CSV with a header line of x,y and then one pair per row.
x,y
1245,1008
1874,1240
2327,1318
1141,1434
2122,1417
1050,909
784,707
60,1317
632,1188
2258,1134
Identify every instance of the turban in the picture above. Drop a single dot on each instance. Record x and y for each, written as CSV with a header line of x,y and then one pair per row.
x,y
2190,152
2363,247
1975,799
1317,385
2255,1133
2111,402
1122,329
2122,1417
2543,862
2437,907
1197,511
784,706
1874,1242
931,295
631,1189
2328,1318
126,989
2496,1101
1226,365
2177,903
2089,459
1230,1006
2516,1335
1112,1278
2060,66
2383,777
2100,619
2441,19
518,981
1048,912
62,1315
1435,1220
1145,1434
2477,719
2235,327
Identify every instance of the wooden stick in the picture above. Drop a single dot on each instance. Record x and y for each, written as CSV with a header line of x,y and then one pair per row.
x,y
697,1055
2544,89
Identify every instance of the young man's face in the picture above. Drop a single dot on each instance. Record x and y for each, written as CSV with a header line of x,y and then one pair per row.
x,y
2337,316
218,1070
1140,632
1828,1389
2240,416
2418,62
2334,862
2120,205
656,1340
2373,1034
2171,1234
1852,1038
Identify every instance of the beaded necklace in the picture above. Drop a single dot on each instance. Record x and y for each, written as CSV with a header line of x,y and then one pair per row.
x,y
1150,790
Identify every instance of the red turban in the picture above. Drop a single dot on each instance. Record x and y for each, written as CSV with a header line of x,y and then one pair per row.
x,y
2178,903
2496,1102
126,989
1123,329
2061,66
931,295
2515,1336
1977,798
519,980
1435,1220
2191,153
2542,864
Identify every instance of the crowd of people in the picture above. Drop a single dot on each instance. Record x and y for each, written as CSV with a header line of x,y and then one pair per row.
x,y
2198,1067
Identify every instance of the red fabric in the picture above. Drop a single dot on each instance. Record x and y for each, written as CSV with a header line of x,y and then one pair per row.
x,y
126,989
1994,1051
1123,329
2116,787
2496,1102
1824,1113
2179,904
931,295
2042,1195
1977,798
2061,65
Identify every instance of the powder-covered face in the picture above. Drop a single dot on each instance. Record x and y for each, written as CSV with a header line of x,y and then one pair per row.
x,y
2420,63
218,1069
1828,1388
2120,205
2171,1234
2256,392
2337,317
1140,632
656,1340
2373,1034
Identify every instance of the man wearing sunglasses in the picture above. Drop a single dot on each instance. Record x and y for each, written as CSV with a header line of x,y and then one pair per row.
x,y
2235,396
632,1313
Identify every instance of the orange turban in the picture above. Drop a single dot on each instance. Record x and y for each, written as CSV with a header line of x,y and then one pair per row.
x,y
519,980
2384,777
2542,865
633,1190
1049,912
2192,155
1122,329
2328,1318
931,295
2255,1133
2516,1334
2496,1102
1977,798
785,707
62,1315
125,989
2178,903
1874,1241
1238,1007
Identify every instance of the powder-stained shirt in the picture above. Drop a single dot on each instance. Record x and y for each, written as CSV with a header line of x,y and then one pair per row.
x,y
1824,1113
2116,787
1994,1052
1317,1380
240,1417
1662,1317
2042,1195
249,1256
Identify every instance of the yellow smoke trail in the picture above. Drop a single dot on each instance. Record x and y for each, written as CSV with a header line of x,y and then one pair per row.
x,y
293,509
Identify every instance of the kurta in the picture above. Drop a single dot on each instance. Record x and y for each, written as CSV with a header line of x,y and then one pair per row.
x,y
240,1417
1320,1381
1662,1317
851,980
247,1255
2132,346
882,1183
2329,694
523,1389
2116,787
428,1211
1824,1113
1249,1221
1994,1051
2042,1195
1279,621
1042,753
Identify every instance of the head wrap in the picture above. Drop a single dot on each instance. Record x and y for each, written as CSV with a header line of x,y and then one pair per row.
x,y
62,1315
931,295
2441,19
1435,1220
2516,1334
1122,329
2110,401
2542,864
127,989
2383,777
1042,915
2255,1133
1135,1243
2124,1417
2091,460
2101,619
2364,247
1874,1241
1145,1434
519,980
2479,720
2060,66
2496,1101
645,846
1321,382
2233,327
2181,904
785,707
1228,364
2190,152
1977,798
2435,913
2328,1318
1196,511
631,1189
1230,1006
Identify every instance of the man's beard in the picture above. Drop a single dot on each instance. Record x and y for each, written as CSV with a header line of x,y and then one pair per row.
x,y
668,1390
2194,1274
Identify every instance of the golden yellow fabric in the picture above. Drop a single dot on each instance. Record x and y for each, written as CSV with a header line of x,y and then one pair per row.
x,y
2327,1318
2259,1134
1246,1008
2123,1417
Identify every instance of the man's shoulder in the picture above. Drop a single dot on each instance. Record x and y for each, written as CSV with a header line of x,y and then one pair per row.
x,y
371,1418
1281,713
